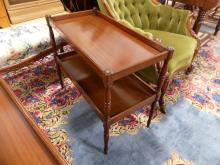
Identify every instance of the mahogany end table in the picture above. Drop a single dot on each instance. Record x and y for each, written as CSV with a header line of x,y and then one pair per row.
x,y
107,56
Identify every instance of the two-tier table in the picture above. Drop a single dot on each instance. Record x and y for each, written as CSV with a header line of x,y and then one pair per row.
x,y
108,55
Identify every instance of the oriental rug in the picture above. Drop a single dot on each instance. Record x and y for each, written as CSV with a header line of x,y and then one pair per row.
x,y
188,134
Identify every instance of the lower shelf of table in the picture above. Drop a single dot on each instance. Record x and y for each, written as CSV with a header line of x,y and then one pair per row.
x,y
128,93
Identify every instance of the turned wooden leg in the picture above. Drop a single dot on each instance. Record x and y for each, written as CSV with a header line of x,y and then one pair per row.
x,y
217,27
199,20
163,91
189,69
59,73
160,85
61,50
107,107
85,7
60,76
106,137
54,46
153,107
106,122
163,2
161,102
173,3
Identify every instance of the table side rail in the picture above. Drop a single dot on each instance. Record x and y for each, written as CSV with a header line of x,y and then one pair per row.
x,y
162,56
156,45
132,109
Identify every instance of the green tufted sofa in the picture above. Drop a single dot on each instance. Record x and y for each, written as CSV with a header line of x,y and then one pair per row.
x,y
156,21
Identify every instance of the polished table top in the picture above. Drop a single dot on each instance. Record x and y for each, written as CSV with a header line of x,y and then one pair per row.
x,y
104,45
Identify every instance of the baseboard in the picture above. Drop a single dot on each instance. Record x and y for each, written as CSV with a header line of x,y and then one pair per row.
x,y
28,11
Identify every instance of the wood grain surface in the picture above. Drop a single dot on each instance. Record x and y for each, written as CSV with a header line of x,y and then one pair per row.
x,y
18,142
125,92
104,44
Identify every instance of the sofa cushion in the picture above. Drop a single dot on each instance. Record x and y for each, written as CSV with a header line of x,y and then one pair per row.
x,y
22,41
184,48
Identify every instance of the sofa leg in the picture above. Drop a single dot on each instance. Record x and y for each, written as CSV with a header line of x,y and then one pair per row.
x,y
61,50
189,69
163,91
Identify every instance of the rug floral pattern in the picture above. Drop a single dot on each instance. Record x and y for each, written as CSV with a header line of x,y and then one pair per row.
x,y
202,86
176,159
39,91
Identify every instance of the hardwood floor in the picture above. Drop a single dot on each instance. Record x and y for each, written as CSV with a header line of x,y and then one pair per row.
x,y
18,142
14,2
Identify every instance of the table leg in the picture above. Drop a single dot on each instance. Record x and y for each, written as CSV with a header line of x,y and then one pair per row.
x,y
199,20
59,72
153,106
173,3
107,106
106,124
160,84
163,91
162,1
85,5
106,137
217,27
54,46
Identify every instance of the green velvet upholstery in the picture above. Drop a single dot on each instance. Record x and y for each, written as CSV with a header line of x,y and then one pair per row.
x,y
184,48
144,14
156,21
